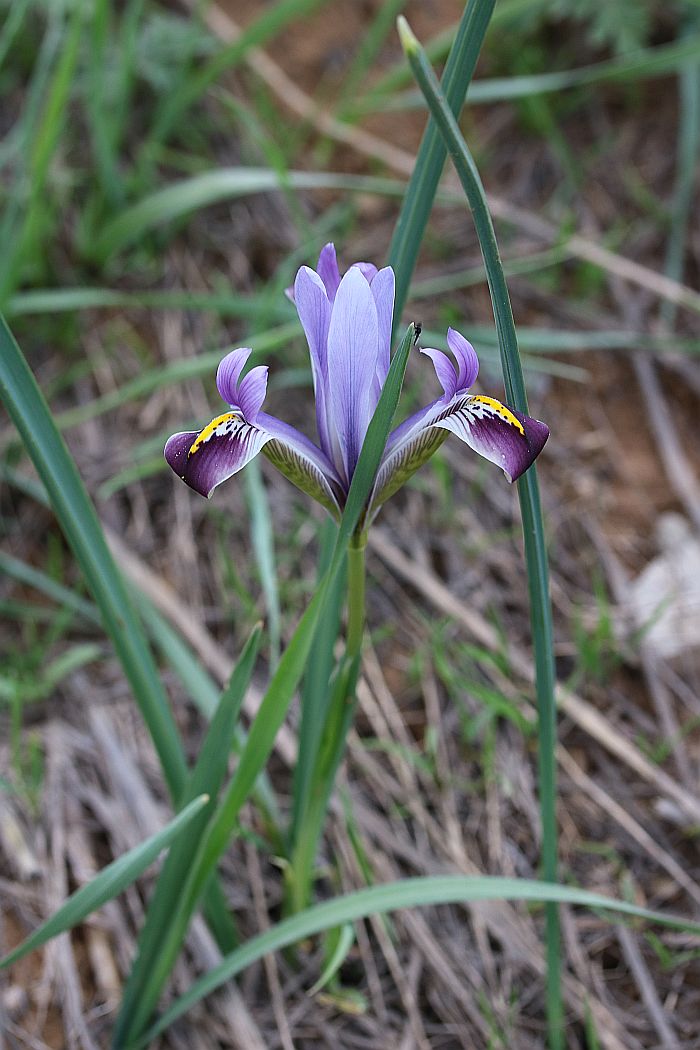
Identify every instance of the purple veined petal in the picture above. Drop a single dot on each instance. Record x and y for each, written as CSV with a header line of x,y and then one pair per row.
x,y
228,373
251,392
327,268
206,458
467,361
382,286
368,270
352,364
223,447
314,311
444,370
410,445
302,463
500,434
507,438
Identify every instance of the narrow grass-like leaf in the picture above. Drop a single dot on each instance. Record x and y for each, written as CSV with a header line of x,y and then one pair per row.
x,y
201,191
315,693
111,881
263,542
530,508
273,707
393,896
76,515
193,85
687,152
418,201
206,777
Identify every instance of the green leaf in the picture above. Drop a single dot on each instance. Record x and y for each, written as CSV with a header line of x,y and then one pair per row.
x,y
530,507
274,705
78,520
418,201
108,884
180,198
393,896
207,776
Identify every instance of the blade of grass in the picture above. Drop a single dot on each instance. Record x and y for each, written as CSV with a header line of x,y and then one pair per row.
x,y
43,147
530,508
76,515
688,150
418,201
383,899
314,695
642,65
263,542
195,82
180,198
206,778
79,522
111,881
273,708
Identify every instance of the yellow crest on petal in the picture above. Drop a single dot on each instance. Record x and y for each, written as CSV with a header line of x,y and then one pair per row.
x,y
218,427
499,409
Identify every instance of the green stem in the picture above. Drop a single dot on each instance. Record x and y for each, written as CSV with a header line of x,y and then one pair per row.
x,y
528,491
356,595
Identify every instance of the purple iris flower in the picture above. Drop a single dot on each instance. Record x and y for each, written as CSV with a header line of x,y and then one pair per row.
x,y
347,322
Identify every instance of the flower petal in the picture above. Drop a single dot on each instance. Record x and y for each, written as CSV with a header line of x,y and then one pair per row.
x,y
504,436
327,267
228,373
314,311
467,361
383,291
368,270
507,438
203,460
444,370
251,392
302,463
352,363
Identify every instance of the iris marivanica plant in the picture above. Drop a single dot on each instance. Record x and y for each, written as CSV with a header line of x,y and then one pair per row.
x,y
347,322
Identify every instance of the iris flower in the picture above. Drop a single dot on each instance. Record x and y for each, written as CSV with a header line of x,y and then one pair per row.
x,y
347,322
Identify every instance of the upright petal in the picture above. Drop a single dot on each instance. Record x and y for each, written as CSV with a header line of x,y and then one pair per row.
x,y
444,370
383,291
228,374
328,271
251,392
368,270
467,361
314,311
352,364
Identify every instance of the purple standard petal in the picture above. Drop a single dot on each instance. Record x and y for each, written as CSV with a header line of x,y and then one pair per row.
x,y
352,364
467,361
228,374
507,438
251,392
382,286
444,370
314,311
327,267
203,460
368,270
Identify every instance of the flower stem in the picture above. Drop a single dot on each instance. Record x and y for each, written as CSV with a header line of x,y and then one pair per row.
x,y
356,594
